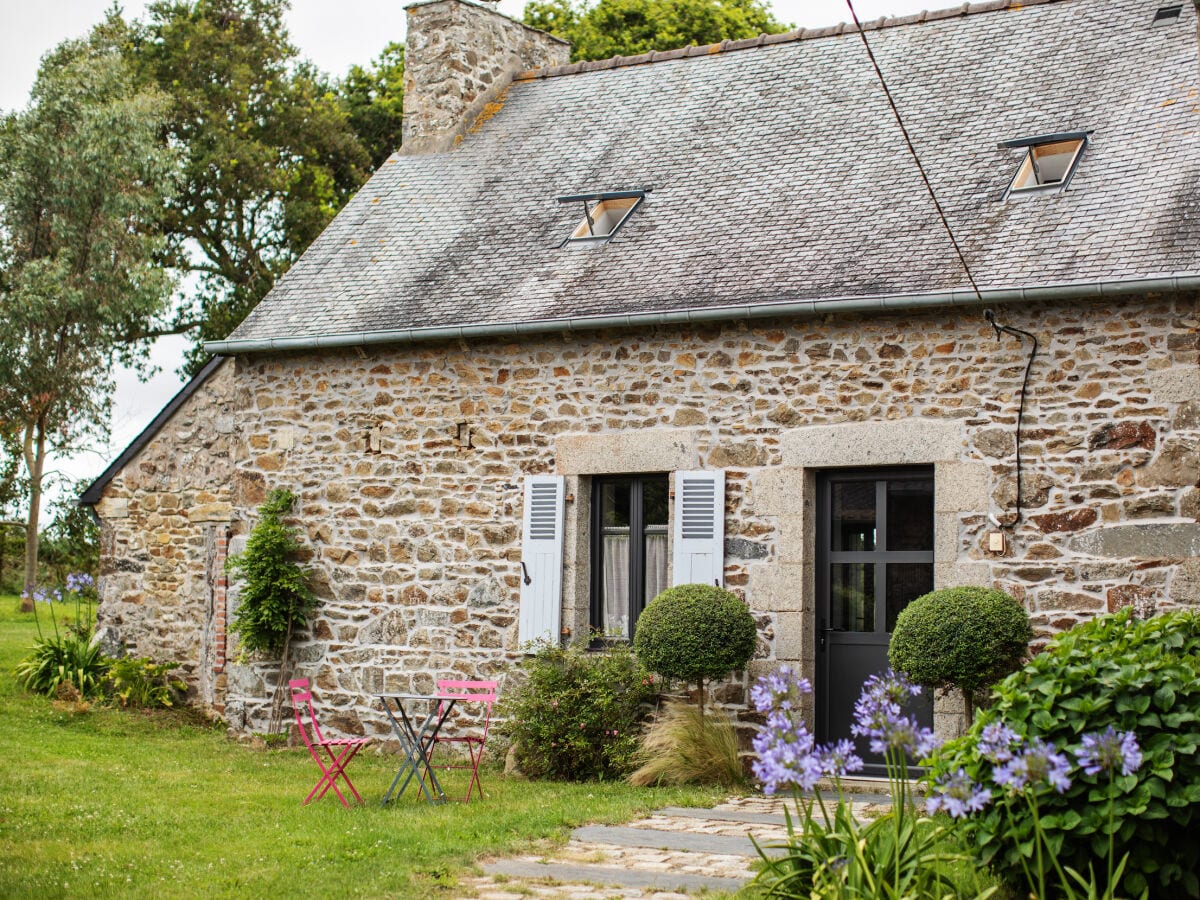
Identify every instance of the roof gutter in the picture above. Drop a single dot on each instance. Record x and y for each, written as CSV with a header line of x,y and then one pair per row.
x,y
1090,290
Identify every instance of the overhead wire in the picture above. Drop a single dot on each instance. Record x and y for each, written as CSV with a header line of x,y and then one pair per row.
x,y
887,92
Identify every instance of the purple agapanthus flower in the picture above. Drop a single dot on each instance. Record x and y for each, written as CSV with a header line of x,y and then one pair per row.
x,y
839,759
879,717
1033,765
778,689
785,755
958,795
1110,750
79,581
996,742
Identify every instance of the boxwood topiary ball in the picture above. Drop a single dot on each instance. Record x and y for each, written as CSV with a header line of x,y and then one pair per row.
x,y
960,637
694,632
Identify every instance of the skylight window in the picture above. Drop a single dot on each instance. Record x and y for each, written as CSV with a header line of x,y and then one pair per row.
x,y
1049,160
603,214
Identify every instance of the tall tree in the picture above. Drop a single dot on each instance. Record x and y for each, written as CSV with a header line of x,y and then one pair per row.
x,y
373,97
624,27
83,176
269,154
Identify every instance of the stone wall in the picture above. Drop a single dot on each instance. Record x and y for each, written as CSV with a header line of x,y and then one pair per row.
x,y
459,57
409,461
165,519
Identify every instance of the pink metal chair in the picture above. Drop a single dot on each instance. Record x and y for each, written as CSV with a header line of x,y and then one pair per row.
x,y
340,750
456,692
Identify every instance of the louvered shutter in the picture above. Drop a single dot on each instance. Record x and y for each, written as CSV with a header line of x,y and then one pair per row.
x,y
541,559
699,528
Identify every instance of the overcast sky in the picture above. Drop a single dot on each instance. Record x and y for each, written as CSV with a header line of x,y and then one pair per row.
x,y
334,35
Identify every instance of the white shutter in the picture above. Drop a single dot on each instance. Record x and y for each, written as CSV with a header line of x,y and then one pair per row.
x,y
699,528
541,559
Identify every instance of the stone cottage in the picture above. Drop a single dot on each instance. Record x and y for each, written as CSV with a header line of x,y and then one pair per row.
x,y
693,316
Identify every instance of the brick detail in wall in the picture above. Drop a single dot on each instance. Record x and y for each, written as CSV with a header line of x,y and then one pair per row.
x,y
220,597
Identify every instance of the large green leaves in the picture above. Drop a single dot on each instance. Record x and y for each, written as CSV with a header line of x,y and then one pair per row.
x,y
1140,676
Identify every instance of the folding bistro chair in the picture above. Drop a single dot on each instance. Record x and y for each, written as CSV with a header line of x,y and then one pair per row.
x,y
460,692
340,750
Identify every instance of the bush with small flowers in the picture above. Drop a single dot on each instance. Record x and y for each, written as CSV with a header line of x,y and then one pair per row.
x,y
576,714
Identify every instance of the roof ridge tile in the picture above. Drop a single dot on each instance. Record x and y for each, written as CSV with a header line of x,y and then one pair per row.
x,y
784,37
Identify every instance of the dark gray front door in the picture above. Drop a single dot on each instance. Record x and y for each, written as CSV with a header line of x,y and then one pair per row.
x,y
874,555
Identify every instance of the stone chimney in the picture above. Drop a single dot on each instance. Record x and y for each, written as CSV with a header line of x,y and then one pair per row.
x,y
459,57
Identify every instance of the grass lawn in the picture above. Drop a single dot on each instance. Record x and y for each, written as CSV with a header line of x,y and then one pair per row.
x,y
111,803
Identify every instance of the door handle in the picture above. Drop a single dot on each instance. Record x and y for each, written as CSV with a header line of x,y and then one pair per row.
x,y
525,571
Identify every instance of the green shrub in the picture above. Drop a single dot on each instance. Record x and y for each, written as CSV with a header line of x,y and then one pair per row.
x,y
695,632
683,746
962,637
576,714
142,683
68,659
275,597
1136,676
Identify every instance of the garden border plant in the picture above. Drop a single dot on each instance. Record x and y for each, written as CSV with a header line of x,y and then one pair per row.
x,y
1107,678
576,713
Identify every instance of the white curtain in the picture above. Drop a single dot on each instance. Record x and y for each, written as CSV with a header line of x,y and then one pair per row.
x,y
616,582
656,561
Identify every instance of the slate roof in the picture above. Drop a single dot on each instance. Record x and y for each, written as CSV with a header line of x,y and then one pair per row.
x,y
778,174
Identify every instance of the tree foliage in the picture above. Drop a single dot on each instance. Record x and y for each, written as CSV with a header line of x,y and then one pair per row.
x,y
695,632
961,637
625,27
275,597
83,179
269,152
373,98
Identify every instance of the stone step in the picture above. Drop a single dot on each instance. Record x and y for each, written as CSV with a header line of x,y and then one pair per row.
x,y
578,873
624,836
722,815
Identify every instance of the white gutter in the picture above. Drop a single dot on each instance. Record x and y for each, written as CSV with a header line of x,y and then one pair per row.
x,y
1090,290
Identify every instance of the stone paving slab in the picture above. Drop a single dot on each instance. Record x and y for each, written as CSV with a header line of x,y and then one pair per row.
x,y
692,842
609,875
719,815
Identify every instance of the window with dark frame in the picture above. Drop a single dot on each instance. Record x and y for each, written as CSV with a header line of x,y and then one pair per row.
x,y
603,215
1049,161
629,550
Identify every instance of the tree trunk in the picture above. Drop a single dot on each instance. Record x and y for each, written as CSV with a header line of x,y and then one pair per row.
x,y
35,463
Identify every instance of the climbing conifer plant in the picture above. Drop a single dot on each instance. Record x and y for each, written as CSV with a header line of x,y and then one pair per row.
x,y
275,595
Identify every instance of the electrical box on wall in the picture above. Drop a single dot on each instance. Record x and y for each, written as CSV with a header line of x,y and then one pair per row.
x,y
996,542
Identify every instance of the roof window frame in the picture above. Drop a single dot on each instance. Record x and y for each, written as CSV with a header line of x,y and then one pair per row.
x,y
591,202
1028,144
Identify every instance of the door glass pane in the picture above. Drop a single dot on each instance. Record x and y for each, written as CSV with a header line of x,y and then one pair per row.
x,y
852,596
905,583
853,514
910,515
614,550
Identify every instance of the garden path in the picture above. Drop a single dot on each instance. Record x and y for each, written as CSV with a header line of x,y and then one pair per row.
x,y
668,855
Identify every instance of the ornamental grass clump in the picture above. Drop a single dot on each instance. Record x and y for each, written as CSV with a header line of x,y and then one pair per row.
x,y
1122,697
961,638
828,852
684,746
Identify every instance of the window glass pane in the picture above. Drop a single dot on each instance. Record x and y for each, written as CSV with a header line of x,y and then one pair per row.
x,y
614,559
656,502
910,515
852,596
853,516
905,583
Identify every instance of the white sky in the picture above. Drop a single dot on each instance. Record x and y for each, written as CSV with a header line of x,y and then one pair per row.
x,y
334,35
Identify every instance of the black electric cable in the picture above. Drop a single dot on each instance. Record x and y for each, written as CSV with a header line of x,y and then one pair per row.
x,y
913,151
1018,333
